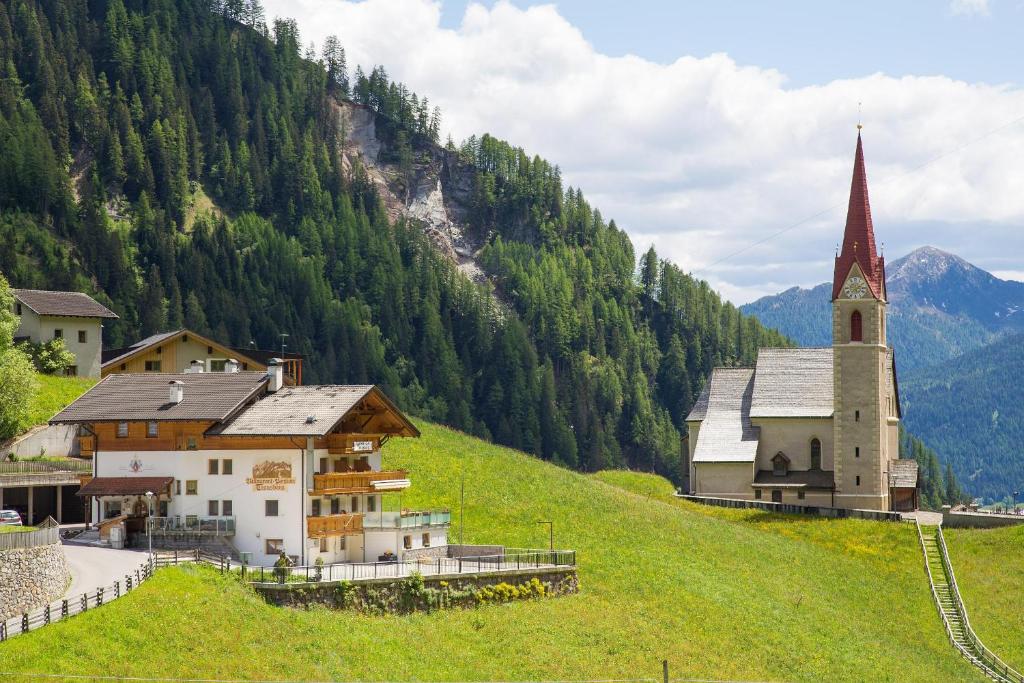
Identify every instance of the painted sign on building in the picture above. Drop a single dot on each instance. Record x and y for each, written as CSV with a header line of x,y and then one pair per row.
x,y
271,475
362,446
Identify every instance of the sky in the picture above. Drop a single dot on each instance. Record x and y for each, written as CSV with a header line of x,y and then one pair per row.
x,y
723,133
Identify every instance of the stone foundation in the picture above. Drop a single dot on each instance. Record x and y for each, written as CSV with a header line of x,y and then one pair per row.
x,y
425,593
31,577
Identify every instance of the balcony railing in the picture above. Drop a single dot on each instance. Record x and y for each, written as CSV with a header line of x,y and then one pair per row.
x,y
356,482
334,525
407,519
193,524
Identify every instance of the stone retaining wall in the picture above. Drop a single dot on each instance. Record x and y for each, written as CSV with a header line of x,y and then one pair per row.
x,y
31,577
425,593
454,550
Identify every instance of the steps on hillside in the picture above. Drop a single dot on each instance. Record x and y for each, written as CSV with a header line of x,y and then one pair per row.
x,y
951,609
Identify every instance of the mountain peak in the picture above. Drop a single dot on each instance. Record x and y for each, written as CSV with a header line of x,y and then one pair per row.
x,y
930,263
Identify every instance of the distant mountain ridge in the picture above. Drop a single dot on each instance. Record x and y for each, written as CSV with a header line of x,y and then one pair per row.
x,y
940,307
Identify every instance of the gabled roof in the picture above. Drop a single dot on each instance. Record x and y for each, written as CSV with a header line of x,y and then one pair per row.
x,y
859,235
903,474
313,411
66,304
164,337
111,356
208,396
726,434
793,383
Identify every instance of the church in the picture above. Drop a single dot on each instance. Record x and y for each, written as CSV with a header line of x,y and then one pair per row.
x,y
813,426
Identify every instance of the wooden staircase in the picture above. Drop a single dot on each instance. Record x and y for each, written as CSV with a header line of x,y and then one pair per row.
x,y
951,607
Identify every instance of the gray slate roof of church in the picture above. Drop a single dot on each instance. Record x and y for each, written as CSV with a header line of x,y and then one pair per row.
x,y
793,383
726,434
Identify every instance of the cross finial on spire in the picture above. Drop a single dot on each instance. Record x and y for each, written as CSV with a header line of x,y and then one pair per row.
x,y
859,124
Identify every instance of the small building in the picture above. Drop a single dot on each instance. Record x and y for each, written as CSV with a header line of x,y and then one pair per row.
x,y
244,457
813,426
75,317
187,351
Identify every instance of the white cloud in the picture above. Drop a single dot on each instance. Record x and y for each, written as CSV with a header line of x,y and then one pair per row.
x,y
969,7
705,157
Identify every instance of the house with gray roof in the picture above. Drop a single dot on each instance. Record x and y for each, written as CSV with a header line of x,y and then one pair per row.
x,y
251,461
813,426
75,317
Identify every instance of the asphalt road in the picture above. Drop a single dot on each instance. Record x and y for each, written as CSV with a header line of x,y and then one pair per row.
x,y
92,567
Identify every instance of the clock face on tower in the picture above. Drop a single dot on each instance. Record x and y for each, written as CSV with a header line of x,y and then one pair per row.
x,y
855,288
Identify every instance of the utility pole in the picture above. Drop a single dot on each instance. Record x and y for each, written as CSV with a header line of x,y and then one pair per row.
x,y
282,336
462,510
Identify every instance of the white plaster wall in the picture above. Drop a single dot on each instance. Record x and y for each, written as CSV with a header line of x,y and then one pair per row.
x,y
253,527
87,356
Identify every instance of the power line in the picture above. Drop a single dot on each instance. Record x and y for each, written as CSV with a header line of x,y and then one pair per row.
x,y
800,222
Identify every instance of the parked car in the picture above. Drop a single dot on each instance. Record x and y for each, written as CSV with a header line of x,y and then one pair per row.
x,y
10,518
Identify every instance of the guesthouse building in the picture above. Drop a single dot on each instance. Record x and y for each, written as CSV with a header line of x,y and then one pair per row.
x,y
241,456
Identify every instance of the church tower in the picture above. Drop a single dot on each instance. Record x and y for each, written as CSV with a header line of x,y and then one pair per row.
x,y
865,404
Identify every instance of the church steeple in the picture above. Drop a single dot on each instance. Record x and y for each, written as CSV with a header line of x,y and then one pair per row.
x,y
859,237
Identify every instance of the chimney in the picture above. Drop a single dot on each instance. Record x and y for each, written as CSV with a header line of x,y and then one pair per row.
x,y
275,370
195,367
177,391
231,365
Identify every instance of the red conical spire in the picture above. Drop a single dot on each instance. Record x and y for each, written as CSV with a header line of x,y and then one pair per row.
x,y
859,237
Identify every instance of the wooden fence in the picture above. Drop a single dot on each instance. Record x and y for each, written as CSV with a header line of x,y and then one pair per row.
x,y
72,605
48,534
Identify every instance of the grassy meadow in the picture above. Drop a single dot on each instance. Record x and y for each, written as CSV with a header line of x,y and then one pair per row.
x,y
989,567
54,394
721,594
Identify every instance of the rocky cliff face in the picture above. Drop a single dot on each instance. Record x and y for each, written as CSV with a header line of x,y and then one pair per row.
x,y
433,194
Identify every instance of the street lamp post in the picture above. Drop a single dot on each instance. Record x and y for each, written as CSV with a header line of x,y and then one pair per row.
x,y
149,528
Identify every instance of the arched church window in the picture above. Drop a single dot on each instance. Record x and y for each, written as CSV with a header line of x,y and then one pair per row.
x,y
856,332
815,454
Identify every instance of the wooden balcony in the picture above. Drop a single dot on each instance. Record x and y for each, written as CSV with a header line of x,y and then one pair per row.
x,y
356,482
334,525
87,446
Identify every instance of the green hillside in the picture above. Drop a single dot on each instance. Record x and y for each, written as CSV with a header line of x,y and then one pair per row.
x,y
183,162
54,394
720,594
989,568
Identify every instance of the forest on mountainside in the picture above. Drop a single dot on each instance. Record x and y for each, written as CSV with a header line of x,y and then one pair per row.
x,y
180,162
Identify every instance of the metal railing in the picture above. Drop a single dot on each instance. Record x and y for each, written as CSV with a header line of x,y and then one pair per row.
x,y
44,466
72,605
406,520
368,571
193,524
990,658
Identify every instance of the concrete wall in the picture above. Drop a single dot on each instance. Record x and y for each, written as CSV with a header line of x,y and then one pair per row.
x,y
55,440
87,355
978,520
31,577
